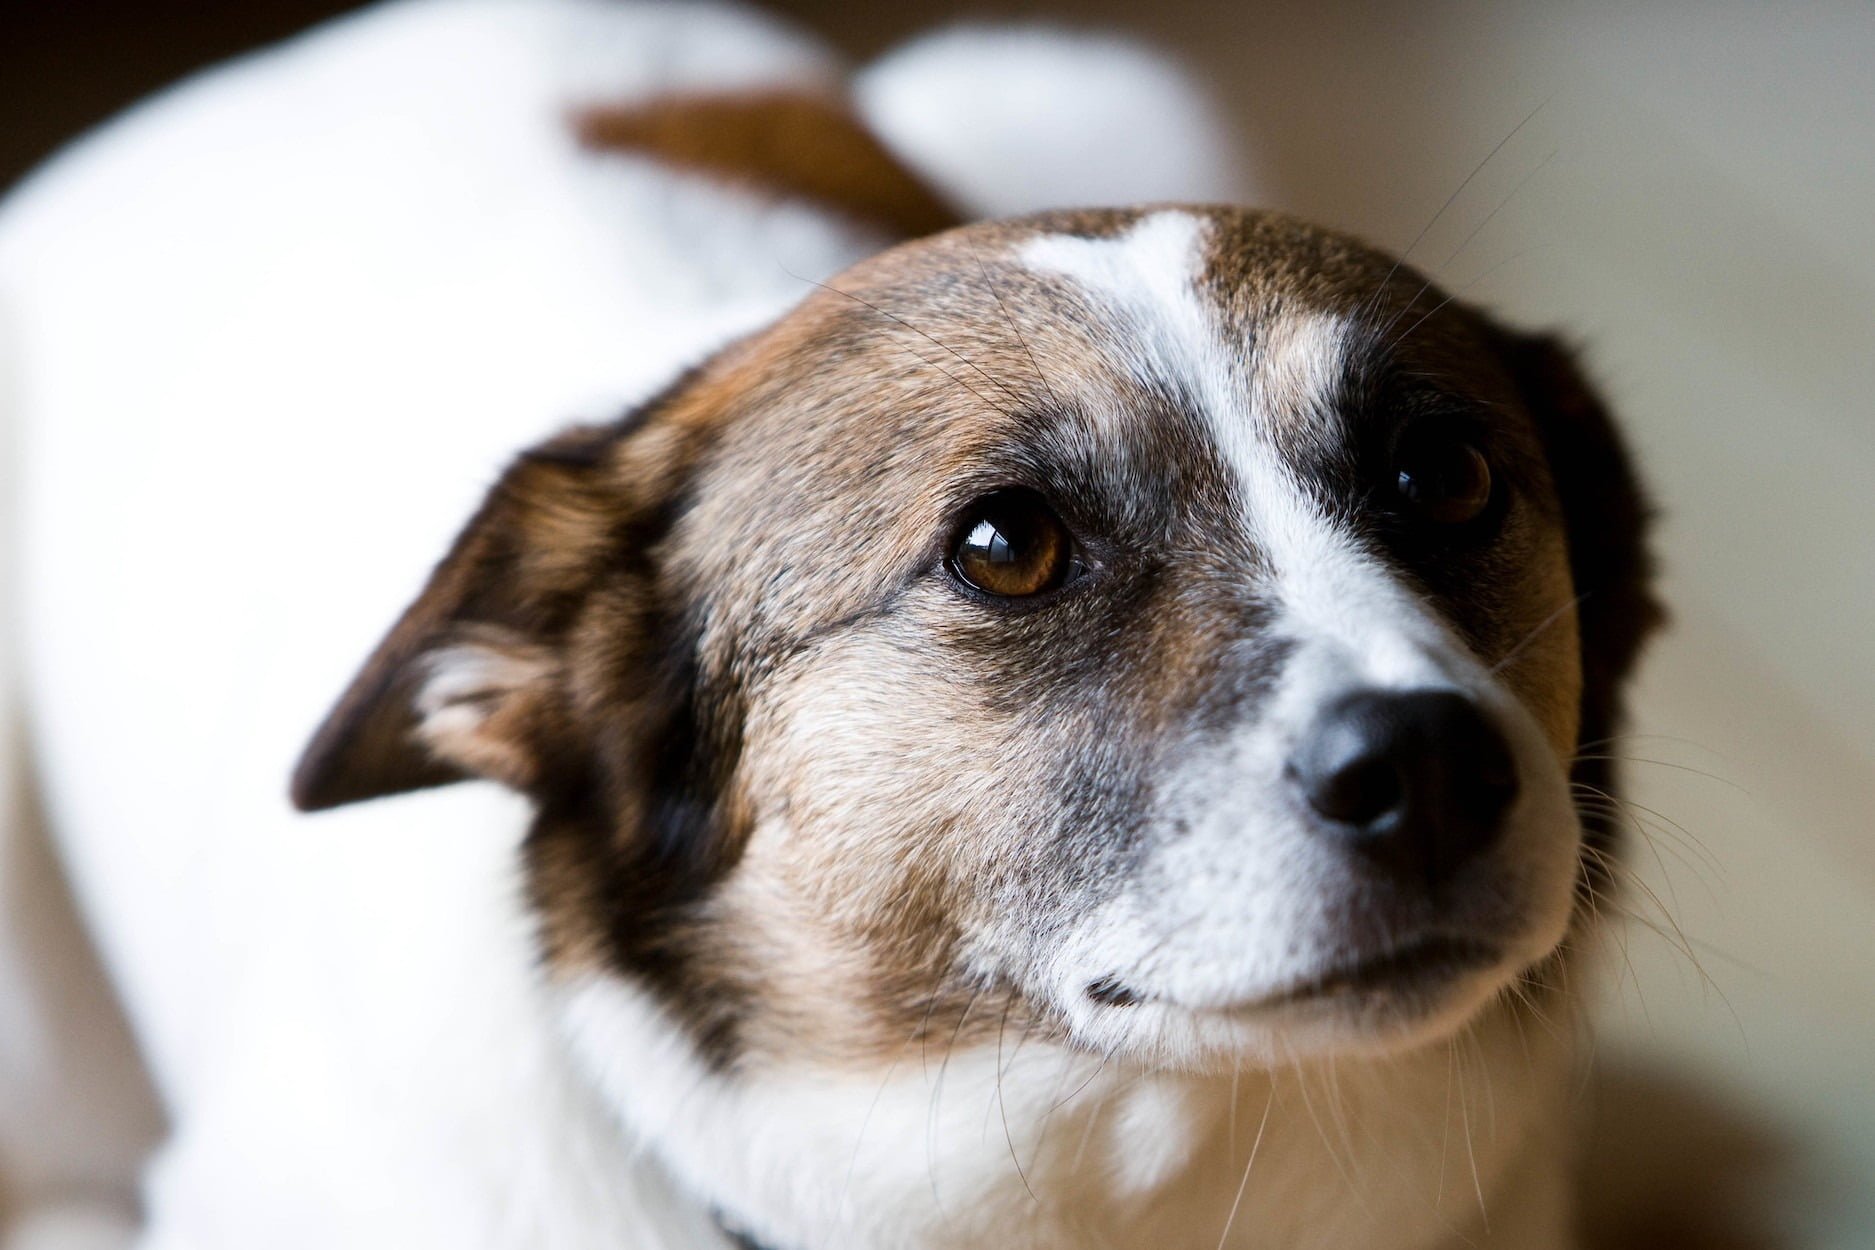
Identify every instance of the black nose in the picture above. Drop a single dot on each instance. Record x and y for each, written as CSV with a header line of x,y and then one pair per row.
x,y
1418,781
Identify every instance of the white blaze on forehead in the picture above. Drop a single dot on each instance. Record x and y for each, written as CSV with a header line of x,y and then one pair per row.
x,y
1142,285
1169,333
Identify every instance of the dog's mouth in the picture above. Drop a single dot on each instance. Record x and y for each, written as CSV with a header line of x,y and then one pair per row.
x,y
1411,971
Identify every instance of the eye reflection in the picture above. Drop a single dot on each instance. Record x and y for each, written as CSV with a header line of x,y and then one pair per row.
x,y
1013,546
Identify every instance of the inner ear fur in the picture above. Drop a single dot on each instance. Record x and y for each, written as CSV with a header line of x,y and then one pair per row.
x,y
1608,519
469,681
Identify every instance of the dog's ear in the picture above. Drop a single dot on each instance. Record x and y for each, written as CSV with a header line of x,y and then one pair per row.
x,y
1608,519
470,681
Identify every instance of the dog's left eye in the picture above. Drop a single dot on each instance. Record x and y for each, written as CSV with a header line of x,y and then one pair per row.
x,y
1012,545
1443,479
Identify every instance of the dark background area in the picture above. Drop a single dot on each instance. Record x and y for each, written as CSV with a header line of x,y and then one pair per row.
x,y
67,66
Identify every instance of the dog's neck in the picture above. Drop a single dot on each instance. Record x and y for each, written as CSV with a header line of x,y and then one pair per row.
x,y
1047,1148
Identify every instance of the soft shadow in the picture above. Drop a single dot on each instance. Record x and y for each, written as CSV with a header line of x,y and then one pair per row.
x,y
1671,1164
78,1114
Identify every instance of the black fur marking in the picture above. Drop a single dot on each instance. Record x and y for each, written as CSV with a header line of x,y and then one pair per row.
x,y
1110,993
1608,517
644,825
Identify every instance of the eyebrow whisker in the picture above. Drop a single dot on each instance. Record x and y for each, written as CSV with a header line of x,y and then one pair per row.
x,y
1460,291
926,361
1372,303
1016,330
1460,250
898,320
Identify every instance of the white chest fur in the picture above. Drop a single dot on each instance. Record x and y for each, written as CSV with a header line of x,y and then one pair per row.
x,y
1033,1147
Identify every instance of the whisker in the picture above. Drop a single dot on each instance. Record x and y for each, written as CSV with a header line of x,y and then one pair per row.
x,y
1668,827
1628,807
1677,940
1445,1124
1017,331
1490,1090
1528,1002
1459,251
1464,1111
1501,206
1588,792
1337,1109
1047,1121
1615,934
922,359
1433,311
1093,1115
1343,1167
1530,637
1244,1183
852,1164
937,1095
1090,1079
1652,848
939,343
1379,291
1236,1076
1654,737
1001,1105
1615,813
1685,768
924,1025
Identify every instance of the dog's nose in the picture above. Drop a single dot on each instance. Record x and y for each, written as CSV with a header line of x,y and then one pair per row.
x,y
1419,781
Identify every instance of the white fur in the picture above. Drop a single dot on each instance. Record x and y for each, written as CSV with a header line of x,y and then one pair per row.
x,y
1017,120
1025,1146
273,333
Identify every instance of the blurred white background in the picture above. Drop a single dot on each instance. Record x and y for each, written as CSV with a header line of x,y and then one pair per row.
x,y
1688,196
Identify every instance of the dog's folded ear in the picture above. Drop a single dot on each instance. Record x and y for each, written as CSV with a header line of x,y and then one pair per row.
x,y
1607,517
468,683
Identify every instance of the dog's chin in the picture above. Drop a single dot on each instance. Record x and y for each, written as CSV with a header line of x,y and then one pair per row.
x,y
1386,1003
1381,1006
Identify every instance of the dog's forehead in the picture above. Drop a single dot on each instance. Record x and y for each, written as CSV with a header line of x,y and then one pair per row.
x,y
1215,312
1187,370
1243,336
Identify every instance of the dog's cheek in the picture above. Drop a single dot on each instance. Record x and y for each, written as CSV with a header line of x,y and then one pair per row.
x,y
1536,652
917,840
856,882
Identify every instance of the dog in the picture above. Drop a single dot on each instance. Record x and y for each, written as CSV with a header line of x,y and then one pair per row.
x,y
1038,726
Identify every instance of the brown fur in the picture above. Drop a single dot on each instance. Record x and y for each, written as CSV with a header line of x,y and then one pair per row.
x,y
787,143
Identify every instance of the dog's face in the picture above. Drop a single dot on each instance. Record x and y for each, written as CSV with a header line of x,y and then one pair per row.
x,y
1171,630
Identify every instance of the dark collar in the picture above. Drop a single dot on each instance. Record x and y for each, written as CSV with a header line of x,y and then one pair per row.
x,y
737,1238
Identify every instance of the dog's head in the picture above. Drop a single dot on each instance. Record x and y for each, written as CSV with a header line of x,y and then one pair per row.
x,y
1181,623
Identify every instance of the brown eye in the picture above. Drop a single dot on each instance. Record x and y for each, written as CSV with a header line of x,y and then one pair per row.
x,y
1447,480
1012,545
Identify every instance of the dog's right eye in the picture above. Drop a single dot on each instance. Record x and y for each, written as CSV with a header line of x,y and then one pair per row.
x,y
1011,544
1442,479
